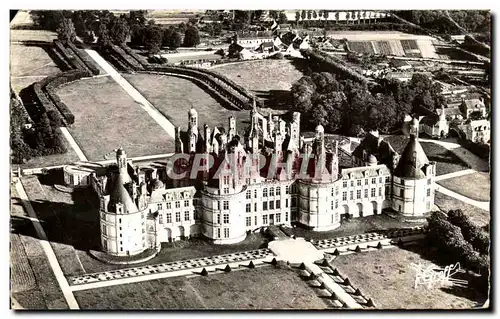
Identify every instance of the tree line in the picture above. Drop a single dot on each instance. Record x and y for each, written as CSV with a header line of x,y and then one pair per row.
x,y
350,107
112,29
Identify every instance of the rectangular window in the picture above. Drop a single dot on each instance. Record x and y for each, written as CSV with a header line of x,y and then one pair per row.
x,y
366,193
218,232
278,218
358,194
264,205
169,205
336,190
351,195
352,183
278,191
255,193
333,192
286,202
160,218
218,205
278,204
226,190
387,190
336,203
358,182
344,184
271,204
248,207
264,219
287,189
249,221
256,220
186,203
428,192
255,207
264,192
249,194
177,204
178,216
271,191
186,216
226,205
294,202
387,179
344,196
373,192
380,179
286,217
169,218
218,218
380,191
226,218
366,181
332,205
401,193
374,180
429,181
159,207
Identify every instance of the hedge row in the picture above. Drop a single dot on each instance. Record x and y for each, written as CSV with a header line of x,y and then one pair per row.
x,y
87,60
139,58
334,65
130,60
51,87
117,62
71,57
64,65
470,231
233,85
481,150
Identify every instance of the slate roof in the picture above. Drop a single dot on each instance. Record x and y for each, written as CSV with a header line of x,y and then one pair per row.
x,y
413,160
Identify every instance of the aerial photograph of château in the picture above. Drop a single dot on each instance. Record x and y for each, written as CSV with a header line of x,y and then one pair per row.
x,y
250,159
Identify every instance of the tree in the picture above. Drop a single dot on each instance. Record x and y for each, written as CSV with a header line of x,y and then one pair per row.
x,y
282,18
154,39
120,31
66,31
303,14
242,16
314,14
337,16
191,37
309,14
274,14
347,16
48,19
103,35
297,16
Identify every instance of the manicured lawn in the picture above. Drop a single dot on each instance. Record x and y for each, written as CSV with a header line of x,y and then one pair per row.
x,y
446,203
106,117
29,64
270,80
354,226
475,186
174,97
260,288
387,277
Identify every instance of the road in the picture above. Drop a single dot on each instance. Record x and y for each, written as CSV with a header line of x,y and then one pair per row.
x,y
136,95
73,144
54,264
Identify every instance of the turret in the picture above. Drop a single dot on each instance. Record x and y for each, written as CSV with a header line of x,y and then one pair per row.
x,y
206,130
121,159
179,147
232,128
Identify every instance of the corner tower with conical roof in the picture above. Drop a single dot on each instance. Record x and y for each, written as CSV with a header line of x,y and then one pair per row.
x,y
413,182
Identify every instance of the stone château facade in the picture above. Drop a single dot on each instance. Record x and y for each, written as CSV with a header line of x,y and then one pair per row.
x,y
221,183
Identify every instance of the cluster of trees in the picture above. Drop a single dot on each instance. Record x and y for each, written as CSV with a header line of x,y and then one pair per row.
x,y
112,29
459,240
365,60
438,21
349,107
40,140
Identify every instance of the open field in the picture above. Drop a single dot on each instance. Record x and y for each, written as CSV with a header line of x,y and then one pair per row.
x,y
106,118
446,161
260,288
446,203
269,79
43,292
475,186
32,35
29,64
354,226
386,276
174,97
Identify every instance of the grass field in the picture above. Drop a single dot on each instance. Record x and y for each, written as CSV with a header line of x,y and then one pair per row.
x,y
260,288
354,226
386,276
475,186
106,117
174,97
270,80
479,216
29,64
